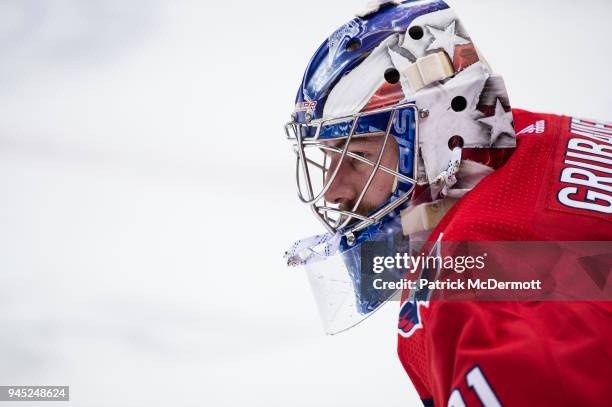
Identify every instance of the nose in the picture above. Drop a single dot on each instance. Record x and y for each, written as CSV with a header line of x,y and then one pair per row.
x,y
343,188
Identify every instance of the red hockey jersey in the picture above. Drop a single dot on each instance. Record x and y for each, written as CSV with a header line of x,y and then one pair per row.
x,y
556,186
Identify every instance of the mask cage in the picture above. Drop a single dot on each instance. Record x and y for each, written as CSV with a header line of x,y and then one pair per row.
x,y
316,141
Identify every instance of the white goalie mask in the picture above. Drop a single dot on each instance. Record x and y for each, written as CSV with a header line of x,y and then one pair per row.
x,y
395,101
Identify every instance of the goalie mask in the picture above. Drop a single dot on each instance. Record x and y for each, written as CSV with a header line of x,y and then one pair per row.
x,y
395,101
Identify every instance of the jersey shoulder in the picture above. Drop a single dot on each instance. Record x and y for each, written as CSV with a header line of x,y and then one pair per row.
x,y
557,185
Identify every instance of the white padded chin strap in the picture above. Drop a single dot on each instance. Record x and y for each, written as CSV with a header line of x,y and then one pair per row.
x,y
427,70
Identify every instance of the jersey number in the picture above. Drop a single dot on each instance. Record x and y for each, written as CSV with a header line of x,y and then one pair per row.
x,y
478,383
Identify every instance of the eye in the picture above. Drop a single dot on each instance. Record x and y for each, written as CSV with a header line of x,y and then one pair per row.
x,y
362,165
366,150
363,154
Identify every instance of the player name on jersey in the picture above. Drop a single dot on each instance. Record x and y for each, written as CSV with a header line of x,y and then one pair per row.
x,y
586,180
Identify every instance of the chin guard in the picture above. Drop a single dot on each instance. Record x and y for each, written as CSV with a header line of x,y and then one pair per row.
x,y
337,271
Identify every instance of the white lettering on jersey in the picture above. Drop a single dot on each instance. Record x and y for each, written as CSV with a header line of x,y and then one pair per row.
x,y
589,174
476,381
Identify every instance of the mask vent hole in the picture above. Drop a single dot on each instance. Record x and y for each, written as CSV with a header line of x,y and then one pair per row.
x,y
353,45
459,104
455,141
416,32
392,75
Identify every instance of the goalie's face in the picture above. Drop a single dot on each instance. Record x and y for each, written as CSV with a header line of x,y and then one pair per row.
x,y
353,174
355,170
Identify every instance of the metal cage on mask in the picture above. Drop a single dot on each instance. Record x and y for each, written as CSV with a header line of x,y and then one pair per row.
x,y
313,137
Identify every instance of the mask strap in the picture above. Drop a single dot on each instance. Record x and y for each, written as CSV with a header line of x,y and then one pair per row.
x,y
427,70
